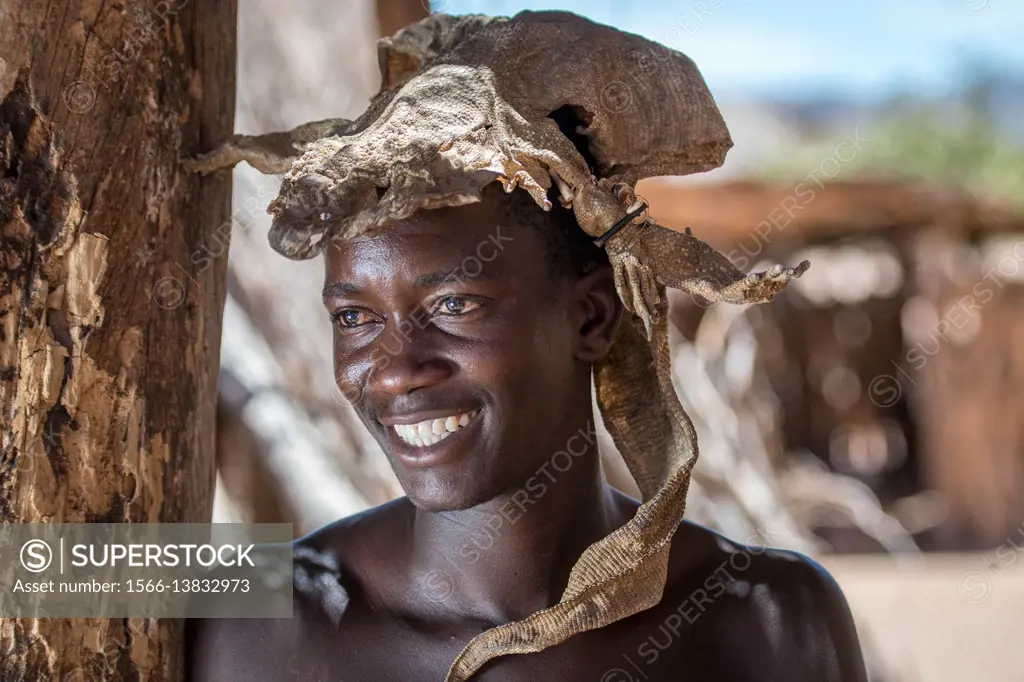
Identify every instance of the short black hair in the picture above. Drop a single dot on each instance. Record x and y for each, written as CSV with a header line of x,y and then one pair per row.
x,y
571,252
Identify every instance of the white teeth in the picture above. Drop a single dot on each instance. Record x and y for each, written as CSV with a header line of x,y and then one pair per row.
x,y
426,433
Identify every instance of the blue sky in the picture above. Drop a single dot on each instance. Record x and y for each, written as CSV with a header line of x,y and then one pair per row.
x,y
799,47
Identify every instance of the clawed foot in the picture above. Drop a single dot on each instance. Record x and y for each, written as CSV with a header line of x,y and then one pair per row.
x,y
624,193
637,287
757,287
564,191
647,257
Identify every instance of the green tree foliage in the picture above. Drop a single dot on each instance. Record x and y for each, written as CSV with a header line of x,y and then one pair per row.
x,y
956,139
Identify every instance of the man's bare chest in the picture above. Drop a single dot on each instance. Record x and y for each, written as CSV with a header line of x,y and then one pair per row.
x,y
368,645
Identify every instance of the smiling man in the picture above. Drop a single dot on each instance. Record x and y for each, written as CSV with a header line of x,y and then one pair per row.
x,y
469,325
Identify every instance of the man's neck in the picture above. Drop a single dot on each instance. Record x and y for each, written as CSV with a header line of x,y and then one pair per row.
x,y
505,559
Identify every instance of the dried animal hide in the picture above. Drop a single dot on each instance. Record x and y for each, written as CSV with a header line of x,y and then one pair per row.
x,y
539,99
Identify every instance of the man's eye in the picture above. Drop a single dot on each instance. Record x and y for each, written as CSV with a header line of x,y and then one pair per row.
x,y
456,305
351,317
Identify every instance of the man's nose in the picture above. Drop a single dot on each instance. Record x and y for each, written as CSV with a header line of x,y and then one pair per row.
x,y
406,364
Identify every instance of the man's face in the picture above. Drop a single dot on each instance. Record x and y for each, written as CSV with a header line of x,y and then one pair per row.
x,y
463,355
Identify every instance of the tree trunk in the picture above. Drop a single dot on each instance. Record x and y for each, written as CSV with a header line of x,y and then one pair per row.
x,y
112,282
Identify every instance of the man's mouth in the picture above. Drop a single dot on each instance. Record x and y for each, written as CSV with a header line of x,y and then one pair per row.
x,y
430,431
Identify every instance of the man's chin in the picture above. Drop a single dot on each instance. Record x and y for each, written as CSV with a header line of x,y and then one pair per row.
x,y
446,502
437,506
434,494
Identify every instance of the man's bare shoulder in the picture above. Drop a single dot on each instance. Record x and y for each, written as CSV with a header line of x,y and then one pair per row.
x,y
697,549
332,565
779,611
356,543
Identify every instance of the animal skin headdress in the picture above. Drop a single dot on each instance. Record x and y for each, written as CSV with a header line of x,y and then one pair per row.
x,y
470,100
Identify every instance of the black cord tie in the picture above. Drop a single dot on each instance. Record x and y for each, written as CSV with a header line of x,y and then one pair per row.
x,y
623,221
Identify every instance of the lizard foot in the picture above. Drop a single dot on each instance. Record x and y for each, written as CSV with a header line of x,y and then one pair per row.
x,y
564,191
757,287
637,287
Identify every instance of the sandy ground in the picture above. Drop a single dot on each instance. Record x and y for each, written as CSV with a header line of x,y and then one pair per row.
x,y
940,618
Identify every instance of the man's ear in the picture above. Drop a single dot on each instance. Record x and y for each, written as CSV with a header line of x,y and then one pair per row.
x,y
601,311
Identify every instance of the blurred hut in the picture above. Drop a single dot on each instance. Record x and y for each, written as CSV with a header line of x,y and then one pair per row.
x,y
895,360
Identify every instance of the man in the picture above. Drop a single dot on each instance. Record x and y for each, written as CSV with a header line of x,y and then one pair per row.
x,y
469,323
501,356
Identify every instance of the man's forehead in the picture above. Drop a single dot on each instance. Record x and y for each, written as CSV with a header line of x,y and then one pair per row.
x,y
430,251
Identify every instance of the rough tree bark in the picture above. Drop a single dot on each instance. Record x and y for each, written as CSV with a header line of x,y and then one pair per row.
x,y
112,282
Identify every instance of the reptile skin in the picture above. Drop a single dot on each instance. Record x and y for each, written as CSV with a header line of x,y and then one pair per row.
x,y
466,101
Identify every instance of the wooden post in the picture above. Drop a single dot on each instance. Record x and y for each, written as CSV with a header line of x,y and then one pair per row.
x,y
112,283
